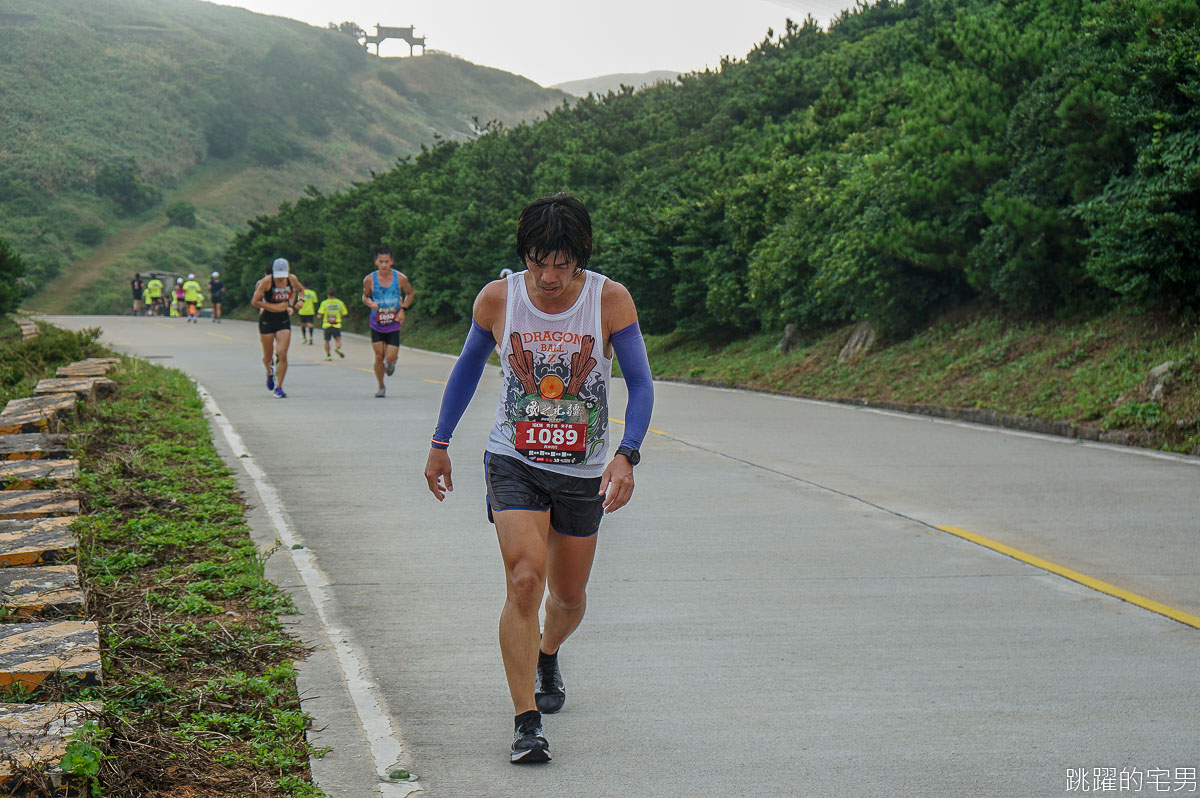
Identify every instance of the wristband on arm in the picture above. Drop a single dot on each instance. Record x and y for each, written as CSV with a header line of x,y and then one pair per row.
x,y
464,379
630,349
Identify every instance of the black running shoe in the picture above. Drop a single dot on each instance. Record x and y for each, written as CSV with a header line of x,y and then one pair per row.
x,y
529,743
548,690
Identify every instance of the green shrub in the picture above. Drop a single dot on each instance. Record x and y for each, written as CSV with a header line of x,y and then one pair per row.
x,y
181,214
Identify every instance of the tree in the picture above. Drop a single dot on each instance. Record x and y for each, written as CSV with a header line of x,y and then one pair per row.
x,y
11,272
181,214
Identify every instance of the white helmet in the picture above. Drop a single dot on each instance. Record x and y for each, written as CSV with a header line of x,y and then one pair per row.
x,y
179,279
215,274
191,277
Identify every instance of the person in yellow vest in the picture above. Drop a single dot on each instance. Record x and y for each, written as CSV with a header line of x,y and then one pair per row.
x,y
155,287
147,301
306,311
332,312
192,296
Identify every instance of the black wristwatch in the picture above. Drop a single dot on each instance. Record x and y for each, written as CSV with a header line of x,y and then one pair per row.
x,y
632,455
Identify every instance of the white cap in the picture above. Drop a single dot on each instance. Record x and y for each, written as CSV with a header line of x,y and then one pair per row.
x,y
279,268
179,279
216,274
191,277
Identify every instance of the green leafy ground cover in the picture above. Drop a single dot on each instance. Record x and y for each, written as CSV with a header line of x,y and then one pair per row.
x,y
1088,372
199,688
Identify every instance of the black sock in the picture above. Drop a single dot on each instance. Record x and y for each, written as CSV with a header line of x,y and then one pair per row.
x,y
526,717
547,659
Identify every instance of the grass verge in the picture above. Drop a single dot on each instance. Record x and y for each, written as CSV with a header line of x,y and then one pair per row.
x,y
199,690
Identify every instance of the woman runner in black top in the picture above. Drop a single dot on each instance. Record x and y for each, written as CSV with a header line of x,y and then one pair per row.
x,y
275,295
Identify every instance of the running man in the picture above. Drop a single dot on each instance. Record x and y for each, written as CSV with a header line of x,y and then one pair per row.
x,y
215,289
558,326
306,309
155,287
193,298
275,295
138,287
388,294
332,312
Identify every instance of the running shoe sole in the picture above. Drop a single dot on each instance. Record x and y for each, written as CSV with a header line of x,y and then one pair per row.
x,y
389,368
530,756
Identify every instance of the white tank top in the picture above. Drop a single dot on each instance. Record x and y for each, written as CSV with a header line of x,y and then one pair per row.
x,y
555,382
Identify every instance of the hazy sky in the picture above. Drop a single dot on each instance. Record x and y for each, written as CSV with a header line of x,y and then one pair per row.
x,y
551,41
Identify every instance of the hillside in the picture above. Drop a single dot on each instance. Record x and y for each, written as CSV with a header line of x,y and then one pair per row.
x,y
1035,157
127,106
603,84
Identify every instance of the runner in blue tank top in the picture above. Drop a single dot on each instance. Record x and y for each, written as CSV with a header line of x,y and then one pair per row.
x,y
388,294
558,326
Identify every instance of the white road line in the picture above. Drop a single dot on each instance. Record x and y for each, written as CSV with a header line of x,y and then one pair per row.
x,y
386,747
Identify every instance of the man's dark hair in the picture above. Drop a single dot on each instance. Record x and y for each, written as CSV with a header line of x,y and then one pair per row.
x,y
329,292
558,223
383,251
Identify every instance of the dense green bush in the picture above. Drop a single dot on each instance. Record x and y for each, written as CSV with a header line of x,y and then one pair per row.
x,y
181,214
120,181
12,271
1040,155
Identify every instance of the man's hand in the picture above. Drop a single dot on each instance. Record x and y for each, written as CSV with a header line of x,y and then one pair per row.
x,y
436,467
616,485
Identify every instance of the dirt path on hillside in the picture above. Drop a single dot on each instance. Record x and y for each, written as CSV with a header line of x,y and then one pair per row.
x,y
82,274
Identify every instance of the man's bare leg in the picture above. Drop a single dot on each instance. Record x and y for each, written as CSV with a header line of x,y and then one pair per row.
x,y
523,538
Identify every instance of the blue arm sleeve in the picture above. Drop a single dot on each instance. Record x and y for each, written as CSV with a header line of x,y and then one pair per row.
x,y
464,379
630,349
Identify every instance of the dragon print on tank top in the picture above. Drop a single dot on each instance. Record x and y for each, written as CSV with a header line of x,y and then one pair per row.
x,y
553,407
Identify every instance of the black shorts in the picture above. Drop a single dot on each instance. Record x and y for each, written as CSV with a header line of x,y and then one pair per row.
x,y
271,323
575,504
389,339
306,318
216,299
332,332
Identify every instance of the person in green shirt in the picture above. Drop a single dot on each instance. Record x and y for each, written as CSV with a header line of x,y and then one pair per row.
x,y
332,312
306,309
147,301
155,287
192,296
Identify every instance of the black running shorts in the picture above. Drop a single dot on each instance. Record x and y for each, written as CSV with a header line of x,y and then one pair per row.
x,y
270,323
389,339
306,318
332,332
575,505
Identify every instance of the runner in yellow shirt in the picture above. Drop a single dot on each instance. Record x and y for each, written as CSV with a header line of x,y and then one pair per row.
x,y
192,296
332,312
305,310
155,287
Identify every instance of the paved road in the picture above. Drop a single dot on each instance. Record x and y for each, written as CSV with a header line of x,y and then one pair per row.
x,y
775,614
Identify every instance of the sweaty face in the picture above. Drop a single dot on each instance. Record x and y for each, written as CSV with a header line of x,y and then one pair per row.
x,y
552,276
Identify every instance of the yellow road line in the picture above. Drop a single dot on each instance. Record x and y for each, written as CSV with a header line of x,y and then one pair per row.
x,y
369,371
434,382
1075,576
622,421
160,324
219,335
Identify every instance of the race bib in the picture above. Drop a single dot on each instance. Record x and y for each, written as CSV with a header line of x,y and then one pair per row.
x,y
385,316
332,319
552,431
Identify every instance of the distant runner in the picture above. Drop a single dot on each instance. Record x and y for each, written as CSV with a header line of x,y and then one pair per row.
x,y
138,288
275,295
388,294
332,312
548,487
155,287
147,301
215,289
306,309
193,298
177,305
